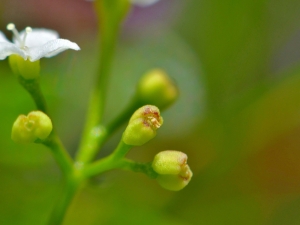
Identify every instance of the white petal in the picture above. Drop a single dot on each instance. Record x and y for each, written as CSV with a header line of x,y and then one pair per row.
x,y
3,38
38,37
7,48
50,49
143,2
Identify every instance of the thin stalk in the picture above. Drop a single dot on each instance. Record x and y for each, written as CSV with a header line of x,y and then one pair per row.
x,y
99,134
115,160
61,207
59,153
33,88
97,101
110,15
145,168
123,116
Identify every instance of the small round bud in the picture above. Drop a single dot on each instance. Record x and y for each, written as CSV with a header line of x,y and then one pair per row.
x,y
142,125
169,162
25,68
156,88
173,172
27,129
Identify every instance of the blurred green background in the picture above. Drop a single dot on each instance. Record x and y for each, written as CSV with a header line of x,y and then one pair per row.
x,y
237,64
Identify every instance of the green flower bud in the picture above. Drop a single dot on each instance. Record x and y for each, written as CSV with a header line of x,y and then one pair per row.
x,y
169,162
172,168
156,88
25,68
27,129
142,126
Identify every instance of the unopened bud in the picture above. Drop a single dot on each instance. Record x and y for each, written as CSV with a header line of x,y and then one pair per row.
x,y
172,168
142,125
25,68
27,129
156,88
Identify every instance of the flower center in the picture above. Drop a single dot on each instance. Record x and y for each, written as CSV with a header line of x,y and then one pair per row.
x,y
29,125
13,29
152,118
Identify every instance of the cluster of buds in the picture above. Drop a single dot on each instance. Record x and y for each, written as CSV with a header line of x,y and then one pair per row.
x,y
155,90
172,169
173,172
142,126
35,126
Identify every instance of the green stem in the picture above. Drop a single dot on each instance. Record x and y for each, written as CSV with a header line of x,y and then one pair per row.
x,y
145,168
59,153
98,95
60,209
99,134
123,116
110,15
115,160
110,163
33,88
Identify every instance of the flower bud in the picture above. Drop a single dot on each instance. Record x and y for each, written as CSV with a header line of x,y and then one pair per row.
x,y
142,125
25,68
156,88
27,129
173,172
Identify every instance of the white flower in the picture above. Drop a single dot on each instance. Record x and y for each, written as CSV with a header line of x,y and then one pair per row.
x,y
143,2
34,44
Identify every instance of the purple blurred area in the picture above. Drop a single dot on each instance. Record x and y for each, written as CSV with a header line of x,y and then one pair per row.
x,y
75,17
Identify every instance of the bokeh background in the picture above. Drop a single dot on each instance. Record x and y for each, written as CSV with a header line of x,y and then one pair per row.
x,y
237,64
